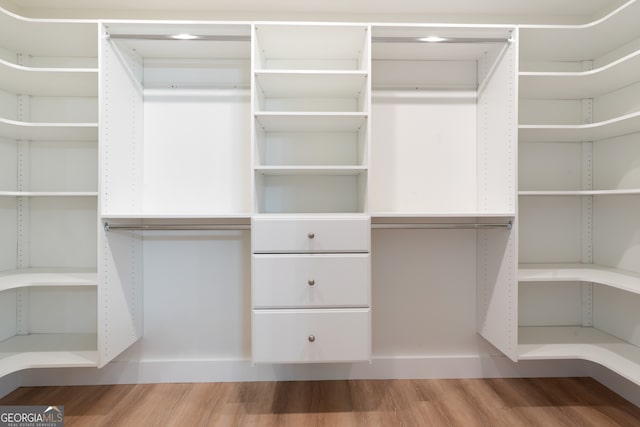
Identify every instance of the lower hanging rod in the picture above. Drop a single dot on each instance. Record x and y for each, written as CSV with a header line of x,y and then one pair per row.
x,y
150,227
445,226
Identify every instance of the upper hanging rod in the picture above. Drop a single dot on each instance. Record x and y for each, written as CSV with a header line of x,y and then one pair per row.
x,y
181,37
143,227
438,40
445,226
239,38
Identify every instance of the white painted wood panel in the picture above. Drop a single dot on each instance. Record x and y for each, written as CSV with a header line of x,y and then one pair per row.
x,y
314,233
307,281
304,336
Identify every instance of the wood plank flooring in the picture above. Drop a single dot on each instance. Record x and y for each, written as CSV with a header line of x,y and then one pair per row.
x,y
452,402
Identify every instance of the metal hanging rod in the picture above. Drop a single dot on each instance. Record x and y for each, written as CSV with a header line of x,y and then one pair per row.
x,y
445,226
143,227
239,38
440,40
181,37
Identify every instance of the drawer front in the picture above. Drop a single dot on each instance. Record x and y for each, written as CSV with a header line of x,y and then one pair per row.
x,y
289,235
320,335
319,280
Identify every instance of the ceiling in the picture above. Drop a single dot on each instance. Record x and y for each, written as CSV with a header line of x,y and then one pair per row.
x,y
507,11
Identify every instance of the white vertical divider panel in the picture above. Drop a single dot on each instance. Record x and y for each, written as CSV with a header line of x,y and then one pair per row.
x,y
497,131
497,287
119,292
121,153
121,127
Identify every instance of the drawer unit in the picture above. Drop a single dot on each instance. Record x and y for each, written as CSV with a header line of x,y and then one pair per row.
x,y
311,280
314,234
314,335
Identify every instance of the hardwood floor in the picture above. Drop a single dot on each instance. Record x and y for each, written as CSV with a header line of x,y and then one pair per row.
x,y
465,402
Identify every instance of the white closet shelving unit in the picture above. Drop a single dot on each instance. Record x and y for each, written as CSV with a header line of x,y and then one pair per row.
x,y
444,149
579,192
311,228
175,147
48,193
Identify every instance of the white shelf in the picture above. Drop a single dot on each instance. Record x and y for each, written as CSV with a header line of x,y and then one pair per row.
x,y
578,85
619,279
48,37
177,217
49,81
618,126
48,131
567,342
581,42
310,83
310,122
28,277
48,193
624,192
47,351
310,170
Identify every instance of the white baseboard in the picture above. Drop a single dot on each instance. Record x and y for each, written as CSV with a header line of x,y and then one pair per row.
x,y
10,382
615,382
236,370
123,372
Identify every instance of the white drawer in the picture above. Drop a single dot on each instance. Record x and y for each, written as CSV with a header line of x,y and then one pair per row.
x,y
316,335
317,280
288,235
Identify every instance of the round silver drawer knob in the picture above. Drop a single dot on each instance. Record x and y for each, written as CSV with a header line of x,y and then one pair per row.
x,y
311,282
312,338
311,235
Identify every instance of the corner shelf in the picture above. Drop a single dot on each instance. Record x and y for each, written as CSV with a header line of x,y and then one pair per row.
x,y
47,351
28,277
618,126
576,342
619,279
585,84
49,81
47,37
581,42
13,129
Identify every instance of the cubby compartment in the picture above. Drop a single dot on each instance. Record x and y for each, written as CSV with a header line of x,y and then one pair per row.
x,y
48,326
443,119
311,190
174,105
311,47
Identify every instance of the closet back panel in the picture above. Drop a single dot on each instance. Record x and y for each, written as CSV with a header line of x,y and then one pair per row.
x,y
616,231
63,166
196,153
8,314
62,310
416,137
616,163
9,233
8,164
62,232
550,229
550,304
616,312
550,166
